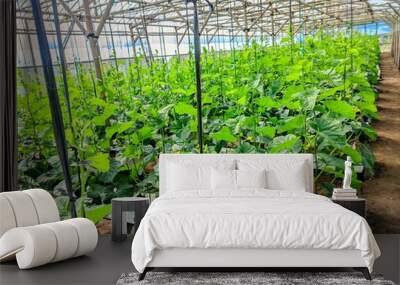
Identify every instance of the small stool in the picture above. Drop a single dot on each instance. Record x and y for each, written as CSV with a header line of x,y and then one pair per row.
x,y
120,207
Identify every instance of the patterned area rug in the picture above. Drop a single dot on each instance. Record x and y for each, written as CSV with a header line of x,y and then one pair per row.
x,y
243,278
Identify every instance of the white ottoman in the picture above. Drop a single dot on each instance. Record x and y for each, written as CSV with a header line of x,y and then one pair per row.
x,y
31,232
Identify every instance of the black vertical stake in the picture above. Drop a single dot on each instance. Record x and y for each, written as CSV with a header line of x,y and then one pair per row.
x,y
63,62
196,37
56,114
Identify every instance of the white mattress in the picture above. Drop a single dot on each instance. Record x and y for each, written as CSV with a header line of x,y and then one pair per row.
x,y
253,219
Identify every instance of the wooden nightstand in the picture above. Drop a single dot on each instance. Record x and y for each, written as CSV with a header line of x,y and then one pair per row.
x,y
356,205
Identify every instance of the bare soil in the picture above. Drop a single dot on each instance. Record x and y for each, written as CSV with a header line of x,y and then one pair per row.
x,y
104,227
383,191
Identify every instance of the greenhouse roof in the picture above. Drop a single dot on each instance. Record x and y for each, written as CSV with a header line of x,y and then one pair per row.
x,y
252,17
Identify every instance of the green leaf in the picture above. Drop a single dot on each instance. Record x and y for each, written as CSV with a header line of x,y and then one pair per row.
x,y
97,213
247,122
295,73
368,158
97,102
267,131
100,162
224,134
341,107
145,133
292,91
267,102
330,129
165,110
325,160
308,99
185,109
108,111
368,96
242,100
245,147
330,92
283,143
292,123
62,203
118,128
368,109
354,154
370,132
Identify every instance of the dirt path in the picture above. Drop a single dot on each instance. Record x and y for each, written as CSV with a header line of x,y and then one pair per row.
x,y
383,192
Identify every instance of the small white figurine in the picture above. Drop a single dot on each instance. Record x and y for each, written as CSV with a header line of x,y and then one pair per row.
x,y
347,173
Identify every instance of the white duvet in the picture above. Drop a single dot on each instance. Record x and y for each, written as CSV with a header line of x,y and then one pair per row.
x,y
250,219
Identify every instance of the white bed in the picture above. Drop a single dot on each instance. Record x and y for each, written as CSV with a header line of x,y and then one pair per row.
x,y
248,227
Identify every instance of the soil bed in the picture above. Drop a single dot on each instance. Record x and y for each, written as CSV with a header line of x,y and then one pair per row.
x,y
383,191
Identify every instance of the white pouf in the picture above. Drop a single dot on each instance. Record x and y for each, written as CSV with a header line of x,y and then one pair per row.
x,y
31,232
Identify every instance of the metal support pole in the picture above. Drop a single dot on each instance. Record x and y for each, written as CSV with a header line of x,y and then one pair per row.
x,y
62,59
273,26
148,42
133,41
142,46
351,34
113,46
70,29
28,36
197,51
94,46
291,31
177,43
65,81
58,124
246,28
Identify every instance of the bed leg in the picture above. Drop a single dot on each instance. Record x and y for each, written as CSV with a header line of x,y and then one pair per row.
x,y
143,274
365,272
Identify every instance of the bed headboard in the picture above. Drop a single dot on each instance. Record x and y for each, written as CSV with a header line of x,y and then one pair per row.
x,y
201,159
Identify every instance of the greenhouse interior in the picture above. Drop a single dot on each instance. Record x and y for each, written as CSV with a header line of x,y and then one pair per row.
x,y
119,100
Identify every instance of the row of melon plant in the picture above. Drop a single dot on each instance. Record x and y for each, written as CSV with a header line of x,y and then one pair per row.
x,y
315,96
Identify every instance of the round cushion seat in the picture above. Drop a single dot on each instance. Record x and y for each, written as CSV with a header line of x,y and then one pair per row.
x,y
40,244
32,233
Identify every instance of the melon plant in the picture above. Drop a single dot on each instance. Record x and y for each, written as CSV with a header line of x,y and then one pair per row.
x,y
314,96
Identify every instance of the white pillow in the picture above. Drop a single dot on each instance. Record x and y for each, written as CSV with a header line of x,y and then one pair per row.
x,y
223,179
192,176
182,177
251,178
283,175
226,179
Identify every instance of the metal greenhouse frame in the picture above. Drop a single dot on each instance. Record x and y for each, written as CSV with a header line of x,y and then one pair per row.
x,y
137,24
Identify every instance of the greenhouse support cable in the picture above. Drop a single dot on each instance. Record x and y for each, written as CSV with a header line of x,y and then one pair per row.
x,y
113,46
188,25
219,57
65,83
127,44
197,51
234,49
58,125
91,72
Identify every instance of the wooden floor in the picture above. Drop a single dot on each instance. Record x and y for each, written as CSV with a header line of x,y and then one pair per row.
x,y
110,260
